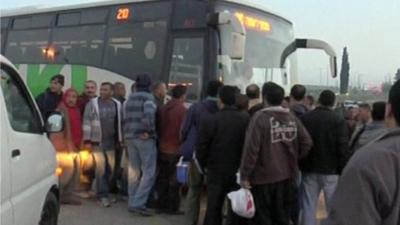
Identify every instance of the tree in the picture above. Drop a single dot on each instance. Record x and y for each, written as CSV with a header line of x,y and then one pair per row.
x,y
345,72
397,76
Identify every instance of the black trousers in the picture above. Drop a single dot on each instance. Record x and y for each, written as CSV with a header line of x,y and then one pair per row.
x,y
274,203
167,186
117,173
217,193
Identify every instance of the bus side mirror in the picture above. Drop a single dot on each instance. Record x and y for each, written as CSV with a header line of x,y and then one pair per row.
x,y
55,123
312,44
238,37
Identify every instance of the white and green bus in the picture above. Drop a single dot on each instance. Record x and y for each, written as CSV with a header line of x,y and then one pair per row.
x,y
175,41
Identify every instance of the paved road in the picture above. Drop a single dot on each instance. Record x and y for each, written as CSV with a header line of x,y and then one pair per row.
x,y
90,213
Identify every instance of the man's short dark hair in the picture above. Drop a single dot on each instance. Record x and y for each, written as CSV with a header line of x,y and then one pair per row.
x,y
178,91
394,100
273,93
108,84
242,102
327,98
119,84
213,87
59,78
378,111
364,106
227,94
253,91
298,92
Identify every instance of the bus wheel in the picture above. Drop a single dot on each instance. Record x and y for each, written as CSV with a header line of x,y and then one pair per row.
x,y
50,211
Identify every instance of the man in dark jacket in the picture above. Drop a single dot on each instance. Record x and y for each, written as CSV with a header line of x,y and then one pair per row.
x,y
219,149
368,192
189,136
297,96
275,140
321,168
171,117
118,183
120,92
297,106
49,100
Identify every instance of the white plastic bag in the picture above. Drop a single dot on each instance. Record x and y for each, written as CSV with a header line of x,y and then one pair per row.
x,y
242,203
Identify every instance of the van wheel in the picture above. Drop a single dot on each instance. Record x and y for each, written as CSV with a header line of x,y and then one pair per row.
x,y
50,211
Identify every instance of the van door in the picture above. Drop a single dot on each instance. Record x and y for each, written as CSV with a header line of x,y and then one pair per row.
x,y
31,155
6,215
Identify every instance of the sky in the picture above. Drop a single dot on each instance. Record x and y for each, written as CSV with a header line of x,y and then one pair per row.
x,y
370,29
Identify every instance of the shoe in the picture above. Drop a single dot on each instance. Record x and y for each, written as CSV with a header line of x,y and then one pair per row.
x,y
113,199
105,202
141,211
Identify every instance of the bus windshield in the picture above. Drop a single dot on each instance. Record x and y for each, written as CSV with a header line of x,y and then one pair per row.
x,y
266,38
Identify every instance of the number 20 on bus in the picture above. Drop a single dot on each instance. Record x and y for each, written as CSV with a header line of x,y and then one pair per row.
x,y
123,13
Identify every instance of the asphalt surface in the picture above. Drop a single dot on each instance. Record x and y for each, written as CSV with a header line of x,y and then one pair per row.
x,y
91,213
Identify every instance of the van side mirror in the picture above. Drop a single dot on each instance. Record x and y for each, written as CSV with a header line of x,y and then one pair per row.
x,y
55,123
312,44
238,36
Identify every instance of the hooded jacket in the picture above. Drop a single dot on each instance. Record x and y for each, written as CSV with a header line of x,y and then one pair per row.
x,y
70,139
275,141
170,119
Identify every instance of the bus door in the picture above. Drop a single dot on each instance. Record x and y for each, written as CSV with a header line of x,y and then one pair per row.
x,y
187,62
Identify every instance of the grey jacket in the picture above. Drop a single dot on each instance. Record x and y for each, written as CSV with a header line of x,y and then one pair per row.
x,y
370,133
368,192
91,121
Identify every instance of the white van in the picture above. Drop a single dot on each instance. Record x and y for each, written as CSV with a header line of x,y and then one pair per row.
x,y
29,186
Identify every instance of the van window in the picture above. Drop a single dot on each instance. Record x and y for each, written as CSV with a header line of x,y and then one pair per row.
x,y
21,113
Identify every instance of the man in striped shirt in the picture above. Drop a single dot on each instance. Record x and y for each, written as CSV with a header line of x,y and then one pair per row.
x,y
140,137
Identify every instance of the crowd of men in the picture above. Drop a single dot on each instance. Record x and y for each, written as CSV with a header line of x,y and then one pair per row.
x,y
286,150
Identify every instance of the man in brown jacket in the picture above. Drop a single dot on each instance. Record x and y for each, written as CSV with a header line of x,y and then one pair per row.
x,y
275,140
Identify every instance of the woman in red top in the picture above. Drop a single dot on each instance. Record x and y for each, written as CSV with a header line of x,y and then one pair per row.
x,y
67,144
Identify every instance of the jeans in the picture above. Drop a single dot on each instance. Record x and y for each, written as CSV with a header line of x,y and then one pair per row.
x,y
311,187
193,198
142,156
167,186
104,160
273,202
